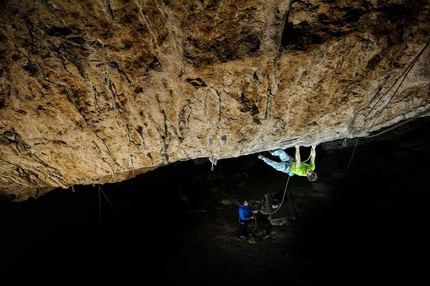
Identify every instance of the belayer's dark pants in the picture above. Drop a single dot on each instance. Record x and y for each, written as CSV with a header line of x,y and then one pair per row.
x,y
243,227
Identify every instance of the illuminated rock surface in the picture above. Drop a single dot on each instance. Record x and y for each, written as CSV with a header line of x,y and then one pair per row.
x,y
96,92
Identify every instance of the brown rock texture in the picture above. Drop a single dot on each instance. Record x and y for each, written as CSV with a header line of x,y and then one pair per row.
x,y
93,92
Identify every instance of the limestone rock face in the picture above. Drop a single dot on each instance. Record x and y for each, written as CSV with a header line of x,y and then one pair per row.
x,y
93,92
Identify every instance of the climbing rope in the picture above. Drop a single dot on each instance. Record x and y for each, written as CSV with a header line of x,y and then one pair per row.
x,y
255,225
402,78
404,75
100,204
350,160
399,124
283,197
382,132
307,159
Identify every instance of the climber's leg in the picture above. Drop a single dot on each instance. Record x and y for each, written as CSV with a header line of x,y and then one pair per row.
x,y
279,166
282,155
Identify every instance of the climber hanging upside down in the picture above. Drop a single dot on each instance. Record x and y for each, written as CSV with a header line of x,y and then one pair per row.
x,y
293,166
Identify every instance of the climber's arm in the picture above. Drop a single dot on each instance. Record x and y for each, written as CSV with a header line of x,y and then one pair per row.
x,y
298,162
313,154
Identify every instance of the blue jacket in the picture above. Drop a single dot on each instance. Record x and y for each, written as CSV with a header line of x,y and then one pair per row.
x,y
245,212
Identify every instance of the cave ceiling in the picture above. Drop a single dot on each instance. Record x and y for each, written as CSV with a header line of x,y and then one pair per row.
x,y
95,92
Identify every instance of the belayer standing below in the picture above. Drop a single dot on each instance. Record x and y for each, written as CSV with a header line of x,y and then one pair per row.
x,y
293,166
246,213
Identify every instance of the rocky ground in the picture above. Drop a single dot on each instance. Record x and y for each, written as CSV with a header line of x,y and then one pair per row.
x,y
365,221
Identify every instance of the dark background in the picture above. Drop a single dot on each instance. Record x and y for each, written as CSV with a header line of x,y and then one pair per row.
x,y
365,221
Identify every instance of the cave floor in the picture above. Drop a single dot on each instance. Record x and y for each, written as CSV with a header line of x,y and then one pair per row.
x,y
365,221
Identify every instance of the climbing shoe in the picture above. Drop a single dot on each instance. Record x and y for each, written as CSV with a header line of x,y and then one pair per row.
x,y
260,156
252,240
